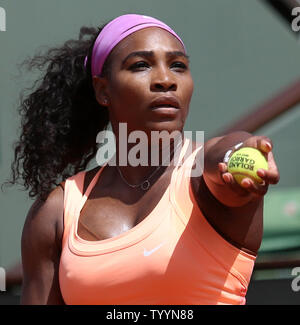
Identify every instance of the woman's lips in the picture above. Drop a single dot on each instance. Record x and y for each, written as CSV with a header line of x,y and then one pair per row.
x,y
165,110
165,106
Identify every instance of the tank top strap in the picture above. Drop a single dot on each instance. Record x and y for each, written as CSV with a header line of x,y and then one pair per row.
x,y
180,155
72,195
86,194
184,167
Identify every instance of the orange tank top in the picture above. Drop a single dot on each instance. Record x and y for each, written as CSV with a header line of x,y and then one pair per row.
x,y
172,257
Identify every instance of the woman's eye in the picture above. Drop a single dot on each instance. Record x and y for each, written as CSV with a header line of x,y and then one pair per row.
x,y
179,65
140,65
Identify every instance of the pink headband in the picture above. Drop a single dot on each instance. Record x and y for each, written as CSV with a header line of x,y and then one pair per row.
x,y
115,31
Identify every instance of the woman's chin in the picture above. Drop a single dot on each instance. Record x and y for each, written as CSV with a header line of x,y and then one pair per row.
x,y
165,125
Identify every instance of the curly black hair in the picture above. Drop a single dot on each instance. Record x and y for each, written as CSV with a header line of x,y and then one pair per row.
x,y
60,118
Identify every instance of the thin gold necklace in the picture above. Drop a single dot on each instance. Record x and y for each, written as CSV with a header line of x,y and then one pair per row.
x,y
145,185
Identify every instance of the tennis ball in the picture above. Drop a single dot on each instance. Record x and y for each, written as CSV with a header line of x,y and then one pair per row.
x,y
245,162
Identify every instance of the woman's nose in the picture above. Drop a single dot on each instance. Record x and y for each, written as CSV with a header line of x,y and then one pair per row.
x,y
163,80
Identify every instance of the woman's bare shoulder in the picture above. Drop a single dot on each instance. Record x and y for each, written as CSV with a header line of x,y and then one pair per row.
x,y
41,249
43,220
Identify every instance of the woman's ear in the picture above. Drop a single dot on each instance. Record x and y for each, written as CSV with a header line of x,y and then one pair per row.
x,y
100,87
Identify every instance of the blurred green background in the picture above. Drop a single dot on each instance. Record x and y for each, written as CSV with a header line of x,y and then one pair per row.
x,y
241,52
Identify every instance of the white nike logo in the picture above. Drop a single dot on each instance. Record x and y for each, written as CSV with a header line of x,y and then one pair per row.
x,y
147,253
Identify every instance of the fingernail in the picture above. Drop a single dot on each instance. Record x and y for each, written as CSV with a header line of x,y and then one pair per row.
x,y
229,178
245,183
226,178
261,173
223,168
268,144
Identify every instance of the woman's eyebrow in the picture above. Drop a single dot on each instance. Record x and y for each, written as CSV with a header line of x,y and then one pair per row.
x,y
177,53
146,54
149,54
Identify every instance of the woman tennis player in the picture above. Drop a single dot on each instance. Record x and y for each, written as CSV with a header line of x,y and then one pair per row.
x,y
123,234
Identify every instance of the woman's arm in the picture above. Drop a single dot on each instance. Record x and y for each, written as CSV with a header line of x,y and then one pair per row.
x,y
41,248
234,211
